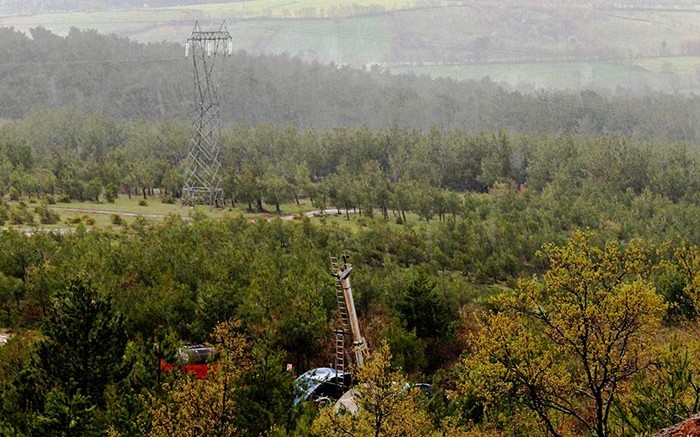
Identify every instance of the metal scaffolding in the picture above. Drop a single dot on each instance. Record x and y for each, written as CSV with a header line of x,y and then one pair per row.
x,y
202,177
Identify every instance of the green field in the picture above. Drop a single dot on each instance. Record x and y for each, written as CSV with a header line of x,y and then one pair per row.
x,y
99,215
680,74
439,38
302,8
155,210
688,65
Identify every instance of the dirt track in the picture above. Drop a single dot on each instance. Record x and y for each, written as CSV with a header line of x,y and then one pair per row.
x,y
29,231
99,211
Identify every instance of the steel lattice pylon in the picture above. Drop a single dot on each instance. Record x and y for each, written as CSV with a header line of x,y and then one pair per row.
x,y
202,177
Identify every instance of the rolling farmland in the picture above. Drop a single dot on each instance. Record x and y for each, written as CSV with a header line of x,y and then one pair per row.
x,y
544,45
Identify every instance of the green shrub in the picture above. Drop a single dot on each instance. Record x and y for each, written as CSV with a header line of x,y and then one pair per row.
x,y
13,193
111,193
20,215
73,220
143,202
117,220
168,199
89,221
47,216
63,198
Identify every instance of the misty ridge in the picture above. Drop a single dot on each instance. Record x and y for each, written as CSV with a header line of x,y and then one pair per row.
x,y
634,47
127,80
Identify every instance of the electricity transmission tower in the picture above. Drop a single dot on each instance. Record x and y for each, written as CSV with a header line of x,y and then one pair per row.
x,y
202,178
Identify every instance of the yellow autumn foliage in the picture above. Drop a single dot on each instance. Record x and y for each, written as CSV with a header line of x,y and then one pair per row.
x,y
565,345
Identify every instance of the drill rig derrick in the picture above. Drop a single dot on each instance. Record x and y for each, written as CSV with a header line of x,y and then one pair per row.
x,y
348,314
326,384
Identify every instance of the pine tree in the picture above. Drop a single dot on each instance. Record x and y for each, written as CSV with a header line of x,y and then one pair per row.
x,y
83,343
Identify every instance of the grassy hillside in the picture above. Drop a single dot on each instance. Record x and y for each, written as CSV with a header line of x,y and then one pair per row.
x,y
542,44
678,74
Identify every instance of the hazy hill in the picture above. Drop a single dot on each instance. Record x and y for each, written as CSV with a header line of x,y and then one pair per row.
x,y
594,44
128,80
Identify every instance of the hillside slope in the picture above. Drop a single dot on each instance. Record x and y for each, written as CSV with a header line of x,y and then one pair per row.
x,y
472,38
120,78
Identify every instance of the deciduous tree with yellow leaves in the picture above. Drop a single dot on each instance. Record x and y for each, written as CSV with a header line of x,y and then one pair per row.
x,y
387,405
566,346
205,408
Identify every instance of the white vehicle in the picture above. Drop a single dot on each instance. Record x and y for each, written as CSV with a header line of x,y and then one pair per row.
x,y
322,385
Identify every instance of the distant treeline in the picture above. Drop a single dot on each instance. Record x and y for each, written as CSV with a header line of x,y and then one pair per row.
x,y
382,172
127,80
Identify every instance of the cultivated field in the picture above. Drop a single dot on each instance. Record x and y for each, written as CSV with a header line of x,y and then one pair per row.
x,y
544,45
681,74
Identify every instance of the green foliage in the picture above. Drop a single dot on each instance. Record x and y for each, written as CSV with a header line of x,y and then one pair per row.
x,y
184,276
4,214
46,215
386,404
408,352
67,414
206,408
668,393
13,193
15,357
83,343
117,220
111,193
424,310
265,399
569,344
447,218
60,386
154,91
21,215
673,287
74,220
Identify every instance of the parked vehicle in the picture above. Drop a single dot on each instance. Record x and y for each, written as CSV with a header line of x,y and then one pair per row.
x,y
322,385
192,359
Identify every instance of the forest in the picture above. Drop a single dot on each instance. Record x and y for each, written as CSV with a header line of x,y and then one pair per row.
x,y
125,80
460,240
535,258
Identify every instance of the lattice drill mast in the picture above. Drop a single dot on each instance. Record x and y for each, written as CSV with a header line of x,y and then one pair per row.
x,y
202,176
348,316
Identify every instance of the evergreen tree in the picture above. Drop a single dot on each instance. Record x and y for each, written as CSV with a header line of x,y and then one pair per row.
x,y
83,343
